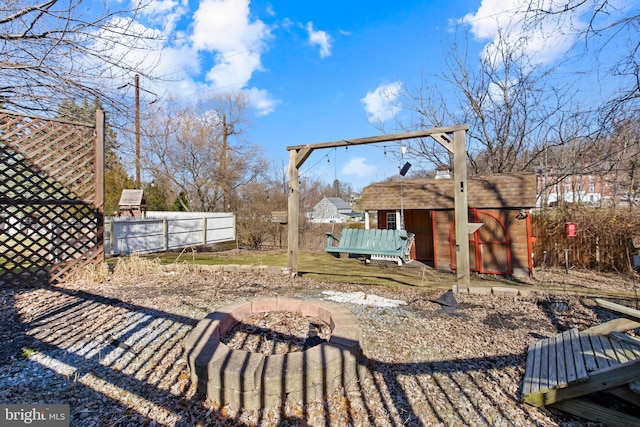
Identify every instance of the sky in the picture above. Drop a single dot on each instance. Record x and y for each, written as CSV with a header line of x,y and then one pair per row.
x,y
321,71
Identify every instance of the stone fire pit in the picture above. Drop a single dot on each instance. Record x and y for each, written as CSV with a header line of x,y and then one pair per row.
x,y
254,380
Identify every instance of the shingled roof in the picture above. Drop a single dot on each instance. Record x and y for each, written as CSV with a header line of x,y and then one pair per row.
x,y
484,192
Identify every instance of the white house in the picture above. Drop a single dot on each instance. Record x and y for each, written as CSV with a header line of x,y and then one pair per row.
x,y
333,209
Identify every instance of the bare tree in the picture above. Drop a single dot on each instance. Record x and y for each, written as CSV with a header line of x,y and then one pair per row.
x,y
607,31
507,101
55,50
200,148
621,155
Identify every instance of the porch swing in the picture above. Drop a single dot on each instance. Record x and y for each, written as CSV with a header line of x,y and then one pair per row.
x,y
376,244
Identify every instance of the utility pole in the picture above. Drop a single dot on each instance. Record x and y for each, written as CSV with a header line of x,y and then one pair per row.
x,y
137,87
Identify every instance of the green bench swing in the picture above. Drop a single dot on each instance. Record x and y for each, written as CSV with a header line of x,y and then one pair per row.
x,y
384,245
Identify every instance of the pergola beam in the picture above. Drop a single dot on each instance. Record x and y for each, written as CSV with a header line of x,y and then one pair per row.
x,y
382,138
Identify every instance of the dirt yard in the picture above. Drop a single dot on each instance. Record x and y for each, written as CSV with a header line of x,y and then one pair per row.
x,y
110,346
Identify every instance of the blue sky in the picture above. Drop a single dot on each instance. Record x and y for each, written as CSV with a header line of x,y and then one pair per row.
x,y
319,71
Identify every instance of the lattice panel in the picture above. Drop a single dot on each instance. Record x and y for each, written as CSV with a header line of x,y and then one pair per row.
x,y
49,220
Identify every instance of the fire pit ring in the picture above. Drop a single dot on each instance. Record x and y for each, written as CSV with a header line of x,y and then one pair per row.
x,y
254,380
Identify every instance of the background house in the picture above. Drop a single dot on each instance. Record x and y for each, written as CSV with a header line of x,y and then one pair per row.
x,y
333,210
557,187
502,245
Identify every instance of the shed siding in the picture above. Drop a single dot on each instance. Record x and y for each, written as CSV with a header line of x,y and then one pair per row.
x,y
443,220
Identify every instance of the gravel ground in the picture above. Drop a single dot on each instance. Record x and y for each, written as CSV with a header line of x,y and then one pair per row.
x,y
110,346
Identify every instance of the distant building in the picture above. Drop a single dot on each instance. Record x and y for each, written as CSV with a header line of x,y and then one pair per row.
x,y
555,188
443,172
333,210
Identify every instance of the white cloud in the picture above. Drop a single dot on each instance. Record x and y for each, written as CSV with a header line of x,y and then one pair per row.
x,y
225,27
321,39
223,44
380,104
359,167
166,13
496,19
262,101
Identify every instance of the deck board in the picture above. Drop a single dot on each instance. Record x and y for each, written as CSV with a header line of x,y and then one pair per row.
x,y
553,367
578,357
587,353
568,357
527,384
562,367
535,386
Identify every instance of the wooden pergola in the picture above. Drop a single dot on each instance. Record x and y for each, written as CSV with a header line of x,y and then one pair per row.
x,y
452,138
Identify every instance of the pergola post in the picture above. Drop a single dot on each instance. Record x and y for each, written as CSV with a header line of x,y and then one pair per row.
x,y
293,213
461,208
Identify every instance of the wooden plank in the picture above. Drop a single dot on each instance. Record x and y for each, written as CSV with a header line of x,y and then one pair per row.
x,y
382,241
598,352
609,351
536,367
587,352
625,393
618,325
544,364
578,358
560,360
568,355
620,352
635,342
553,363
527,382
353,240
597,413
631,351
602,379
628,312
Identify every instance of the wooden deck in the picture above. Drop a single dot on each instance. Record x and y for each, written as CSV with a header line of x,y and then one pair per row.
x,y
562,368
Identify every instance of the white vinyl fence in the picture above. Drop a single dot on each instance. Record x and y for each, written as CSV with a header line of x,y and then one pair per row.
x,y
164,231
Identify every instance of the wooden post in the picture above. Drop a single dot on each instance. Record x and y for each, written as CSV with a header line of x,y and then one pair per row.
x,y
99,182
461,207
137,101
204,230
293,213
165,234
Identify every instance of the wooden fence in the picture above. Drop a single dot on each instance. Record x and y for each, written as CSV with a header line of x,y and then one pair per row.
x,y
51,197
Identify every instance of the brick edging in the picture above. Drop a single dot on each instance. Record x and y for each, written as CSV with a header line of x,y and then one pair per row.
x,y
253,380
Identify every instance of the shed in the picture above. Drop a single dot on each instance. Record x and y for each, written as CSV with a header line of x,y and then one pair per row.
x,y
132,203
502,245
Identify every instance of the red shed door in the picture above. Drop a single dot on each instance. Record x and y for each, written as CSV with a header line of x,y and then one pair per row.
x,y
489,247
